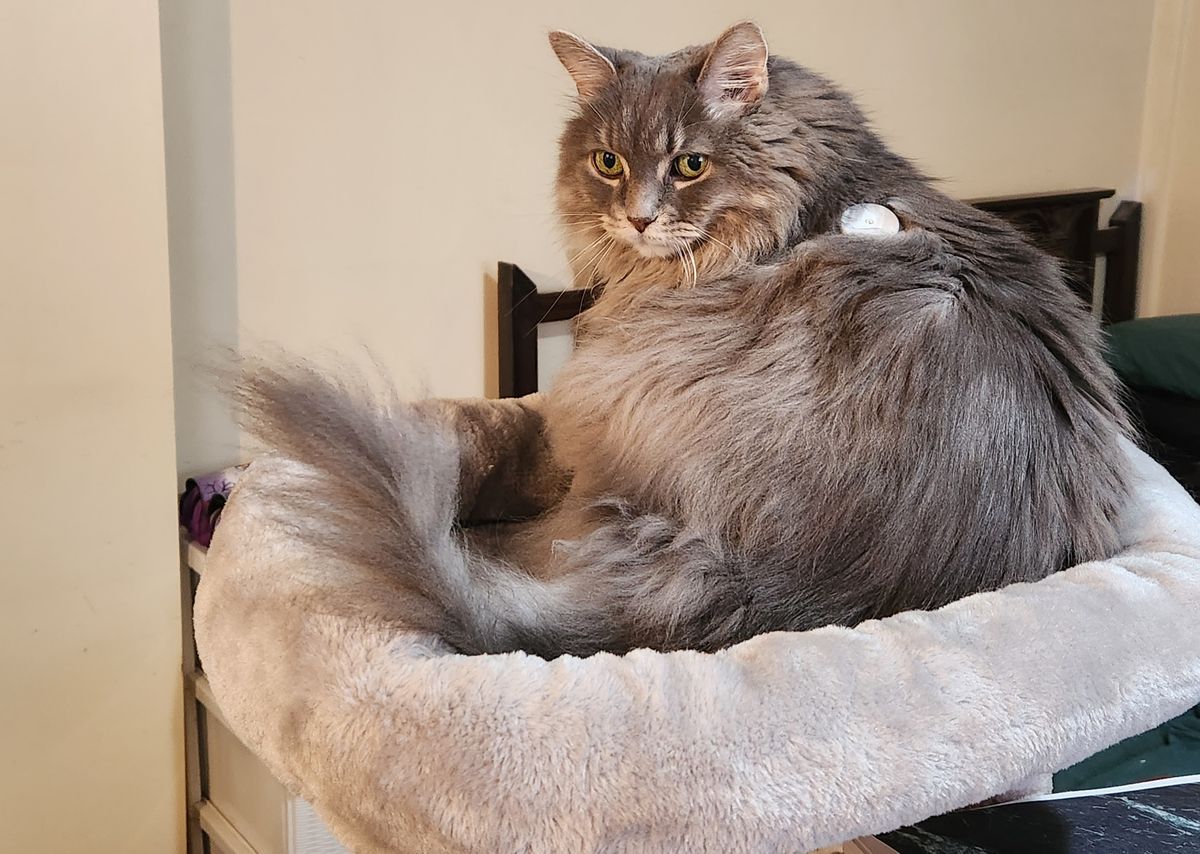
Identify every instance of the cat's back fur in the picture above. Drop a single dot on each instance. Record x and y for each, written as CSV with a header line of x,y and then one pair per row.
x,y
894,423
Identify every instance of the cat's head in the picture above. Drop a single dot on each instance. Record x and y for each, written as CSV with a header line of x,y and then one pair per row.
x,y
700,159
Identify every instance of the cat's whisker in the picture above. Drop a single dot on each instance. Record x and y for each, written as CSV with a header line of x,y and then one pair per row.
x,y
707,235
687,262
521,300
679,246
551,215
608,248
580,273
581,229
580,253
584,268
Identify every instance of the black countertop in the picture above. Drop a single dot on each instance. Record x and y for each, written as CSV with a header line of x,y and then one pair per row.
x,y
1157,818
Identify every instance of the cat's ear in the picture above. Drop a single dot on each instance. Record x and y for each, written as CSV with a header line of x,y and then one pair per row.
x,y
589,68
734,76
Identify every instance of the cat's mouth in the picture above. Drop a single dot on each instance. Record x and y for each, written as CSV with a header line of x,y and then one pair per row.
x,y
651,247
655,240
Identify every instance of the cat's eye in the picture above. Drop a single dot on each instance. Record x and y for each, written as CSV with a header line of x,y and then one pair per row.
x,y
607,164
689,166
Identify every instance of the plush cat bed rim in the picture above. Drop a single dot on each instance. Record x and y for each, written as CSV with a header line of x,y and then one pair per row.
x,y
785,741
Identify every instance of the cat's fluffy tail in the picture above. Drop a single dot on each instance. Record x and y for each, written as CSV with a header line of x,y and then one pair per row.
x,y
377,487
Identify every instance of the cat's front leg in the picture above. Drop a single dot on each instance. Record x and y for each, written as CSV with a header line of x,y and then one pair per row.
x,y
506,469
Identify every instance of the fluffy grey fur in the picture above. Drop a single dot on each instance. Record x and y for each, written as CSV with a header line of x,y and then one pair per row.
x,y
766,424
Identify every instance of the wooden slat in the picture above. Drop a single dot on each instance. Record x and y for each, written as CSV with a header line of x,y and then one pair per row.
x,y
1056,199
1121,254
504,328
193,748
1108,239
554,306
517,333
204,696
197,556
214,823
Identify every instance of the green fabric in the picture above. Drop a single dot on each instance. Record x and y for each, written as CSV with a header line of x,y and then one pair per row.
x,y
1158,353
1171,750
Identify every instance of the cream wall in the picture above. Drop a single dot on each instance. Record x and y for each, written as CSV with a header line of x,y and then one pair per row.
x,y
1170,163
90,735
384,156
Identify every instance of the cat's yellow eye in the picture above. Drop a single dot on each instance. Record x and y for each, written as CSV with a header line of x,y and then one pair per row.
x,y
607,164
689,166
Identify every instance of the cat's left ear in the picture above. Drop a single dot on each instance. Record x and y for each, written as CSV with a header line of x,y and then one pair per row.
x,y
734,76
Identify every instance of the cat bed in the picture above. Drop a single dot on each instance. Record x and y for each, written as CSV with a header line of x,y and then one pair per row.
x,y
785,742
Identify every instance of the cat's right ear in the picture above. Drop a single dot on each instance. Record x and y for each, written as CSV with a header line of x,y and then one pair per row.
x,y
735,76
589,68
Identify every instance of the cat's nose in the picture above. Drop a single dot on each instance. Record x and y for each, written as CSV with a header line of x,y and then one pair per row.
x,y
641,222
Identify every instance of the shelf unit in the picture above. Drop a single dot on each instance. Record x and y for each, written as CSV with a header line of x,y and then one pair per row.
x,y
234,805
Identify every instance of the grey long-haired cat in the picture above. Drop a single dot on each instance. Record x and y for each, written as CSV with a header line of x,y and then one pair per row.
x,y
767,424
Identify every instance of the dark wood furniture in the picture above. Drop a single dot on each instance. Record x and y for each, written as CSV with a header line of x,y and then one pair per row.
x,y
1066,224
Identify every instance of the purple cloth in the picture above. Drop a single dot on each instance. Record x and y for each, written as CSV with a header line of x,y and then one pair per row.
x,y
203,499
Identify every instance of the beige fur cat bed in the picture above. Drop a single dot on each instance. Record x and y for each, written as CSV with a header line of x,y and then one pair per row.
x,y
782,743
